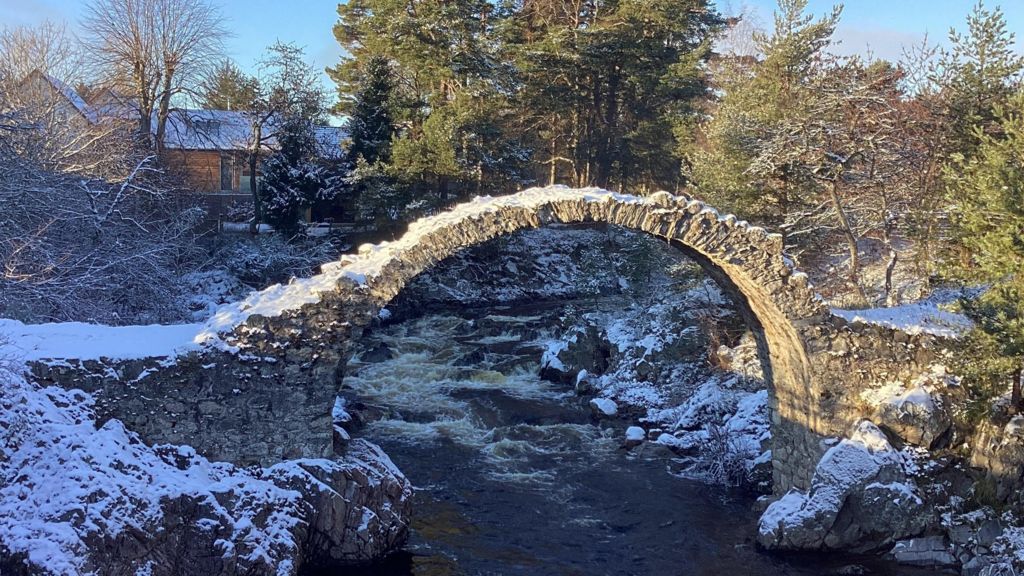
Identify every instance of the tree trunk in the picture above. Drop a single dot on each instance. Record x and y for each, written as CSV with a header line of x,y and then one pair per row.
x,y
254,162
554,169
1015,394
851,238
163,111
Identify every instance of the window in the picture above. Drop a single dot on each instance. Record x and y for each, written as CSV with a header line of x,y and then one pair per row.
x,y
207,128
226,170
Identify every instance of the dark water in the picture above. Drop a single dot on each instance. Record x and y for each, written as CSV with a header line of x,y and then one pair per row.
x,y
515,478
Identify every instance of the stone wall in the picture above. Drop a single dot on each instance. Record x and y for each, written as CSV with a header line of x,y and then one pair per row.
x,y
240,408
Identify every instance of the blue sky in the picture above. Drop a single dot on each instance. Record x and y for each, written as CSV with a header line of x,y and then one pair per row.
x,y
884,25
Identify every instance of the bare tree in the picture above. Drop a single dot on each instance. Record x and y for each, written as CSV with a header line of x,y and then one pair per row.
x,y
48,48
153,51
38,66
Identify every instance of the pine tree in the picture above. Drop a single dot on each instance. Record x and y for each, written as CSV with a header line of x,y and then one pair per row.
x,y
977,75
987,194
607,86
747,165
228,88
450,92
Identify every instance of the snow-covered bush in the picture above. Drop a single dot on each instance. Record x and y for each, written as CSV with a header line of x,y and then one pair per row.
x,y
266,259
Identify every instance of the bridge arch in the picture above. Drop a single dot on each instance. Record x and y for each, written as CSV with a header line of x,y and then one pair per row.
x,y
747,261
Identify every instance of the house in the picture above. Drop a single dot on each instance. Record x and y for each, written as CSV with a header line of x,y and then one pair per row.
x,y
210,148
61,100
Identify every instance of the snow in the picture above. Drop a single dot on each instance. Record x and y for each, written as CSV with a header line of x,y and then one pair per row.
x,y
605,406
635,434
549,359
191,129
918,318
77,340
852,462
67,480
74,98
339,413
67,484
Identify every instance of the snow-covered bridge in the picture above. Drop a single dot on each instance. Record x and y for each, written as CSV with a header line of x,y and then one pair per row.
x,y
256,382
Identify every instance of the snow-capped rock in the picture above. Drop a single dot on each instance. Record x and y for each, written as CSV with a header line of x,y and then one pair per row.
x,y
860,498
604,407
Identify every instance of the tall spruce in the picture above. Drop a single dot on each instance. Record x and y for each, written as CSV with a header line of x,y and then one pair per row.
x,y
370,125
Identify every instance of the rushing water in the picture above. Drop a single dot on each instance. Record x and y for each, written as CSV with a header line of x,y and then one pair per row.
x,y
514,477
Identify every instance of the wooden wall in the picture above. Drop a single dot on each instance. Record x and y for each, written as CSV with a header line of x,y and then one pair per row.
x,y
202,169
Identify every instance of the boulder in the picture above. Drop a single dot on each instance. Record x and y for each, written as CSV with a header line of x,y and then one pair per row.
x,y
929,552
915,416
604,407
999,449
82,500
860,499
635,436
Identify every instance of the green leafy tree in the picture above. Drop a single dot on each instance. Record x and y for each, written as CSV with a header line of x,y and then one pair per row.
x,y
987,194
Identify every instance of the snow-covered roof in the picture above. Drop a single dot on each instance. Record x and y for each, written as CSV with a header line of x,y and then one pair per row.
x,y
69,94
224,130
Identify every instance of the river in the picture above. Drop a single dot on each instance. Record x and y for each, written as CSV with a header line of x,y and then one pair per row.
x,y
514,475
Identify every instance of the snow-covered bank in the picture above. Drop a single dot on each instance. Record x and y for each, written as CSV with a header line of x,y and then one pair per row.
x,y
77,340
77,499
917,318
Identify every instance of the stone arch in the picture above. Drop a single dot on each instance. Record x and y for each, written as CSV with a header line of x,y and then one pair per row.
x,y
747,261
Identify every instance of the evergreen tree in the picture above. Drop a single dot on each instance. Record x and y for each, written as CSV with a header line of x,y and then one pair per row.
x,y
228,88
977,75
987,196
450,93
747,165
294,177
608,85
370,126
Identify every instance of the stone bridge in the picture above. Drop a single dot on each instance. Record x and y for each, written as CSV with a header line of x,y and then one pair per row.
x,y
260,383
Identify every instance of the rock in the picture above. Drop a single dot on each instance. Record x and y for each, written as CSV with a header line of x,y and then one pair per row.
x,y
582,348
603,407
860,498
975,566
584,384
930,551
83,499
379,353
999,449
915,416
355,511
635,436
